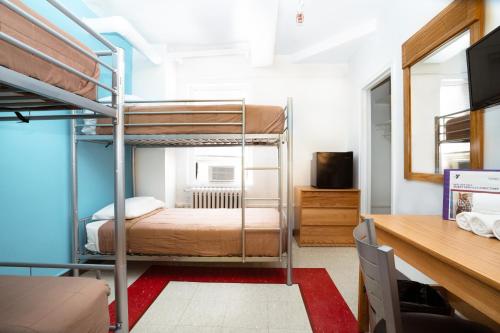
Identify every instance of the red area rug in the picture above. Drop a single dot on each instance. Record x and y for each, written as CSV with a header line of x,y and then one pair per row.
x,y
325,307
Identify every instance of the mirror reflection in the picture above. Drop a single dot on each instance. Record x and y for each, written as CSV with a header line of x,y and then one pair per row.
x,y
440,122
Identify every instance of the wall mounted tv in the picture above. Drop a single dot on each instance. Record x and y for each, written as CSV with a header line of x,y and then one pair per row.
x,y
483,62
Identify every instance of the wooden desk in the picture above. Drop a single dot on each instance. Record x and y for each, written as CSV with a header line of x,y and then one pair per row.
x,y
468,266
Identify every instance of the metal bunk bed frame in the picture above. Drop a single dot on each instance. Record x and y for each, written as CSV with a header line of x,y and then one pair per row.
x,y
49,97
196,140
441,133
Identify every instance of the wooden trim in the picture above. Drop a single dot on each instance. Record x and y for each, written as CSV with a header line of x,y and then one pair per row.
x,y
407,120
477,117
459,16
449,256
470,312
451,21
363,310
444,240
477,139
465,286
426,177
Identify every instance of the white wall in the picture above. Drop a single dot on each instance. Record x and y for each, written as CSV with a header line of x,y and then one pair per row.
x,y
320,93
170,176
155,174
153,82
321,103
328,98
380,53
492,115
263,184
150,172
182,171
492,138
404,18
426,104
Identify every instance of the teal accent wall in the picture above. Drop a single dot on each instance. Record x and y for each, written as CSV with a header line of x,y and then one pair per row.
x,y
35,170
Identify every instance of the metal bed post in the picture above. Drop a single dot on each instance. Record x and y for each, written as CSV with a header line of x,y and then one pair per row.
x,y
74,197
133,170
280,196
243,196
120,235
82,24
289,207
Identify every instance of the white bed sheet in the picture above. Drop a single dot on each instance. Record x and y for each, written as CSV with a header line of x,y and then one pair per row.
x,y
93,235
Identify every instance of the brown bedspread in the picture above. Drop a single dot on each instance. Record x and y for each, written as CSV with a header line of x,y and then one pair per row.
x,y
260,119
53,305
198,232
458,128
18,60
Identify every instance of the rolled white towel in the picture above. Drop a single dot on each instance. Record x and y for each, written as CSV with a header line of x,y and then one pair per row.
x,y
482,224
486,203
463,220
496,229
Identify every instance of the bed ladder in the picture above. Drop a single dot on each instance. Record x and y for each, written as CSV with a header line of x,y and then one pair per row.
x,y
279,199
244,198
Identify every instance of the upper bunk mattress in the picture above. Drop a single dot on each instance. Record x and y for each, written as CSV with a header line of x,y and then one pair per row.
x,y
259,119
23,62
53,305
194,232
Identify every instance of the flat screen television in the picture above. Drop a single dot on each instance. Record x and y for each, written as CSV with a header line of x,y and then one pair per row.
x,y
483,63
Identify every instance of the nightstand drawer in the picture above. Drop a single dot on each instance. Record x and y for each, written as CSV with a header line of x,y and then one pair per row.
x,y
332,199
329,216
318,236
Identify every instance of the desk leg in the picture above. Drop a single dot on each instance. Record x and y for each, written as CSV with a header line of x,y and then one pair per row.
x,y
363,314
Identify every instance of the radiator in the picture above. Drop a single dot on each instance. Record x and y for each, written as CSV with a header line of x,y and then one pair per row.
x,y
215,197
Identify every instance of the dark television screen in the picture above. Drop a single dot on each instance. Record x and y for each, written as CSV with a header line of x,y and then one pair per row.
x,y
483,62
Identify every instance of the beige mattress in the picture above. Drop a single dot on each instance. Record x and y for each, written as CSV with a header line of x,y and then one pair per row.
x,y
260,119
53,305
23,62
198,232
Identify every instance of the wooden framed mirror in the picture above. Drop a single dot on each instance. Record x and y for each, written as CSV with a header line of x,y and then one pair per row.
x,y
440,132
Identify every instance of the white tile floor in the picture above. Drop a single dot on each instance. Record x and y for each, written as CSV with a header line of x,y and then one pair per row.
x,y
225,307
194,304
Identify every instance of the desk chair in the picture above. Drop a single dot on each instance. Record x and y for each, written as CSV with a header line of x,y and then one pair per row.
x,y
380,278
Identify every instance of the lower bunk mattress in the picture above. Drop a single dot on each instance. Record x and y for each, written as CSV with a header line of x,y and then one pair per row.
x,y
193,232
39,304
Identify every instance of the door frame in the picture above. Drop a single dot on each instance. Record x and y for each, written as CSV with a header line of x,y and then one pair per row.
x,y
365,139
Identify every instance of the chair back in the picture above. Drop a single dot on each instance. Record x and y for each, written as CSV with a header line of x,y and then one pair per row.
x,y
379,275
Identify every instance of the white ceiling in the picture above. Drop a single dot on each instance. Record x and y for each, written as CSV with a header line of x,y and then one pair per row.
x,y
331,32
322,19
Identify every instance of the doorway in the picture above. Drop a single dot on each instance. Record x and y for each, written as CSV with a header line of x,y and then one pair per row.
x,y
380,148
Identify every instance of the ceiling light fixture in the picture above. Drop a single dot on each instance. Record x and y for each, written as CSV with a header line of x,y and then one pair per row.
x,y
299,17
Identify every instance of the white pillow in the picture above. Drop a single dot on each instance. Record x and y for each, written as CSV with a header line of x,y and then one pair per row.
x,y
134,207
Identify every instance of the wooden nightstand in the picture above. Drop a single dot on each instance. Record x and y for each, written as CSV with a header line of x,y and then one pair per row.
x,y
326,217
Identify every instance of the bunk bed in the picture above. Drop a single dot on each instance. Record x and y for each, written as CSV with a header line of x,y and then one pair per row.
x,y
46,74
449,129
216,235
55,86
